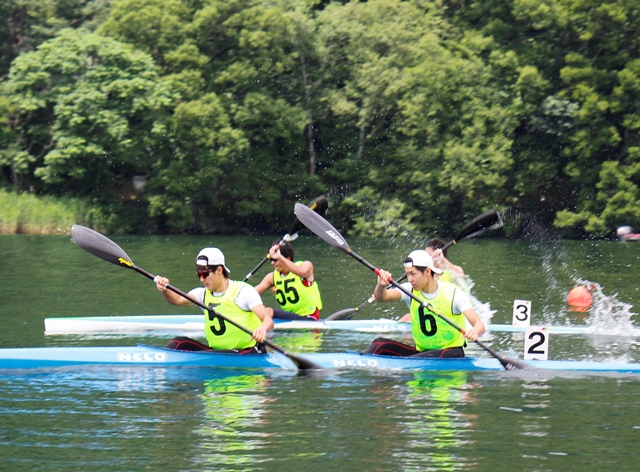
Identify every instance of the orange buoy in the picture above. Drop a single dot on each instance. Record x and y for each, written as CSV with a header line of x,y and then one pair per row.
x,y
579,299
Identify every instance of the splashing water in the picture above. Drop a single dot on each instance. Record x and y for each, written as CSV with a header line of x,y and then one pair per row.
x,y
484,311
607,314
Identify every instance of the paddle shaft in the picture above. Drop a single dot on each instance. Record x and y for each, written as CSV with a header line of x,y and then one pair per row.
x,y
266,258
505,363
102,247
205,307
256,268
350,312
323,229
481,223
319,205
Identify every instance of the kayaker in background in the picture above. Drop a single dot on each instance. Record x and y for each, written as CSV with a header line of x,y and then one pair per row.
x,y
233,299
433,336
296,289
450,272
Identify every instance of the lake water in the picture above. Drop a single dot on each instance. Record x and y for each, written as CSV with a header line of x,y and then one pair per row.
x,y
136,419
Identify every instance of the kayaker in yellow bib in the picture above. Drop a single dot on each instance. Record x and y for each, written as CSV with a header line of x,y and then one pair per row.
x,y
235,300
296,289
433,336
450,272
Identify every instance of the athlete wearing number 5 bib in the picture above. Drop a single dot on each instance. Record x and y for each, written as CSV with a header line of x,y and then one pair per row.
x,y
236,301
296,289
433,336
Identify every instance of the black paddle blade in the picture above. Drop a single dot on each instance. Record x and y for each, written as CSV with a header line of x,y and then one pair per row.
x,y
320,205
480,223
100,246
321,227
507,363
302,363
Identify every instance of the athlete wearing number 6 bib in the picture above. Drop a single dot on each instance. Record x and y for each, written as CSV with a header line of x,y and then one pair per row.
x,y
433,336
296,289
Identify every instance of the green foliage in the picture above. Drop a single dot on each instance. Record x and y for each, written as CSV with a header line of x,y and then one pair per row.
x,y
27,214
10,216
86,104
28,23
378,217
157,27
411,114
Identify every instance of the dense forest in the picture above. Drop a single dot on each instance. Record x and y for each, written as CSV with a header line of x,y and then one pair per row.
x,y
216,116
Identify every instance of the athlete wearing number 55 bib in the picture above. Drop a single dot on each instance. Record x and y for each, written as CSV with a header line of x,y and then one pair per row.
x,y
433,336
296,289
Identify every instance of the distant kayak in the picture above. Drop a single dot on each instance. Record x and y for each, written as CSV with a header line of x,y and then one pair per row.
x,y
135,324
626,234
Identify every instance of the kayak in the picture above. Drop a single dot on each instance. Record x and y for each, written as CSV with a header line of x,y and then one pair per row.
x,y
195,323
150,356
140,355
181,323
568,329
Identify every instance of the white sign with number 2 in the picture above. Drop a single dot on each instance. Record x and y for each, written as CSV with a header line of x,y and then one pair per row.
x,y
536,343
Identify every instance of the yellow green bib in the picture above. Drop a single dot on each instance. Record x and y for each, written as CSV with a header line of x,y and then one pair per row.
x,y
446,276
223,335
294,296
428,329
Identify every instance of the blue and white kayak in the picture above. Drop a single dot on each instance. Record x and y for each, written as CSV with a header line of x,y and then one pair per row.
x,y
150,356
195,323
140,355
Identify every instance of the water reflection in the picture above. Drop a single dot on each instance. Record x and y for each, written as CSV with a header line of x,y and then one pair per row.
x,y
434,425
536,396
299,341
231,430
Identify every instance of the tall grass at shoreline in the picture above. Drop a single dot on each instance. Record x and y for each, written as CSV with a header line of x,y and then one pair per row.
x,y
30,214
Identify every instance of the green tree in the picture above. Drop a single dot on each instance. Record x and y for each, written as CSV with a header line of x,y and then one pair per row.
x,y
571,126
86,108
27,23
233,158
431,131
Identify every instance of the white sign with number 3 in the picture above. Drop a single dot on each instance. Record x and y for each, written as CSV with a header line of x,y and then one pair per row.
x,y
521,313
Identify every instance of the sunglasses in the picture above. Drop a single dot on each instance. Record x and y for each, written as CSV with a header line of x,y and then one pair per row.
x,y
203,273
